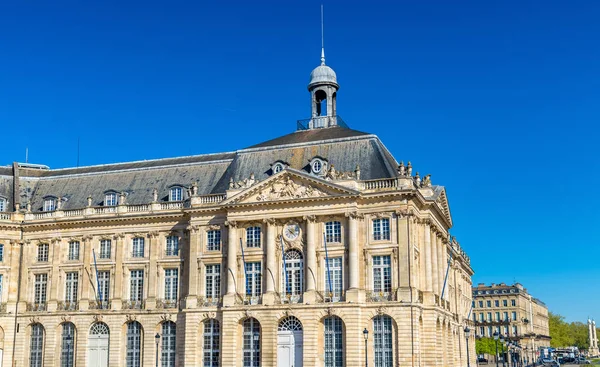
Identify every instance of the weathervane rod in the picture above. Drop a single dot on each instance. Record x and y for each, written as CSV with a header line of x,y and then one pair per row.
x,y
322,39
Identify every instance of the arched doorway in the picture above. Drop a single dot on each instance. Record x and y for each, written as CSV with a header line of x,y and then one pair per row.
x,y
289,343
98,343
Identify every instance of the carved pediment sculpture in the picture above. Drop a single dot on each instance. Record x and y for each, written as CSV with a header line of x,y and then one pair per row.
x,y
288,189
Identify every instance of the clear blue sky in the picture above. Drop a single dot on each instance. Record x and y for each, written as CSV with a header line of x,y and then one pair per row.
x,y
498,100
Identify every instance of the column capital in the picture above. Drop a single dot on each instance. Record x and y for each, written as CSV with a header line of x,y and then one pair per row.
x,y
310,218
231,224
55,239
270,221
87,238
354,215
193,228
119,236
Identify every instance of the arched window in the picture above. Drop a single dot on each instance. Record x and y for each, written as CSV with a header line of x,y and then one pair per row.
x,y
134,344
169,330
67,354
382,344
2,204
99,328
334,342
212,343
293,277
290,323
36,347
251,347
176,193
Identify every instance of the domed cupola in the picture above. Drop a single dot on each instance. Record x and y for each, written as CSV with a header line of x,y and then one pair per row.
x,y
323,89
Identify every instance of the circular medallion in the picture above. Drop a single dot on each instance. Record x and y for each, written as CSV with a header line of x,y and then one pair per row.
x,y
291,231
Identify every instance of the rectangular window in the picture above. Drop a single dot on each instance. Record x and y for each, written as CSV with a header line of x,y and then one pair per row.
x,y
480,304
381,229
335,276
513,302
136,289
42,254
497,303
514,330
71,287
105,250
104,287
333,232
213,240
171,283
497,316
489,303
213,281
490,331
138,247
40,289
505,316
482,331
1,252
74,250
481,317
110,199
505,330
176,194
253,279
172,246
505,303
473,304
382,274
514,316
489,317
49,205
253,237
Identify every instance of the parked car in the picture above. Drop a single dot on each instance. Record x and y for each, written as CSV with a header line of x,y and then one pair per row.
x,y
583,361
550,362
482,360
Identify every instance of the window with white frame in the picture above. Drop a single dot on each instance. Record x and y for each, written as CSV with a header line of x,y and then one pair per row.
x,y
103,287
382,274
137,247
482,331
251,343
74,250
213,240
134,344
176,194
497,316
334,342
71,286
105,248
110,199
136,290
505,316
171,282
514,315
253,236
489,317
293,277
168,350
381,229
333,232
2,204
1,252
514,330
383,344
42,252
40,289
36,346
333,278
49,204
490,331
513,302
67,345
505,330
481,317
212,343
505,303
253,279
213,281
172,246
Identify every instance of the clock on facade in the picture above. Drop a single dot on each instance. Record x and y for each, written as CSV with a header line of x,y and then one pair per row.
x,y
291,231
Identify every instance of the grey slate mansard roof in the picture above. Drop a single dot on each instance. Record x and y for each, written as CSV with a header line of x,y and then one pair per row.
x,y
344,148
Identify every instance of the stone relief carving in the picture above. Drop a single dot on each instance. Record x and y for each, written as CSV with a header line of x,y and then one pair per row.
x,y
97,318
209,315
286,188
130,318
333,174
165,317
243,184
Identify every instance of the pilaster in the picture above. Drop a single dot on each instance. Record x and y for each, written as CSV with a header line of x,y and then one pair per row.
x,y
118,286
229,299
311,259
153,253
191,267
271,271
85,286
354,293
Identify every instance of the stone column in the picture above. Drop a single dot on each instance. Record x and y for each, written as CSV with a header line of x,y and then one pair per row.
x,y
434,263
428,259
118,280
271,270
354,293
442,264
229,299
55,277
191,267
84,304
595,332
311,259
153,253
404,258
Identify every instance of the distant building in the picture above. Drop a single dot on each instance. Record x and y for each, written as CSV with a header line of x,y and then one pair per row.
x,y
512,312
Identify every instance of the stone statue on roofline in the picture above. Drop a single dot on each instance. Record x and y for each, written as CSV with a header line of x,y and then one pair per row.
x,y
409,169
401,169
418,179
427,181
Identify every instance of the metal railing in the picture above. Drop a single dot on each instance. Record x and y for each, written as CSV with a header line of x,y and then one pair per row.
x,y
99,305
381,296
290,298
320,121
330,297
68,305
172,252
36,307
134,305
210,301
167,303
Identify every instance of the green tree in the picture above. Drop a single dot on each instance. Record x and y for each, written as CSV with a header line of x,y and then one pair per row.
x,y
485,346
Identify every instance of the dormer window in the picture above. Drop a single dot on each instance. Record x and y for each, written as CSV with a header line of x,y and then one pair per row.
x,y
49,204
176,193
110,199
318,166
278,167
2,204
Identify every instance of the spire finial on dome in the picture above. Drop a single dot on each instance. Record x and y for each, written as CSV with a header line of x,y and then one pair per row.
x,y
322,39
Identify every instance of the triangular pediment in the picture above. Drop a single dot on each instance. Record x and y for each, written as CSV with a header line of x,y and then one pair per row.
x,y
287,185
442,203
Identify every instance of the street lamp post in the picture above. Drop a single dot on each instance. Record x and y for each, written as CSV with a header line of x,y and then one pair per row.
x,y
496,339
502,344
157,339
366,335
467,334
69,339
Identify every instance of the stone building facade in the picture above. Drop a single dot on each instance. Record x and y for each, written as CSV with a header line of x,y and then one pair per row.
x,y
513,312
286,253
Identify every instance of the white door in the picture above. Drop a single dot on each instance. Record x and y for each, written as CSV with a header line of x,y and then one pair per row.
x,y
289,348
1,356
98,342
